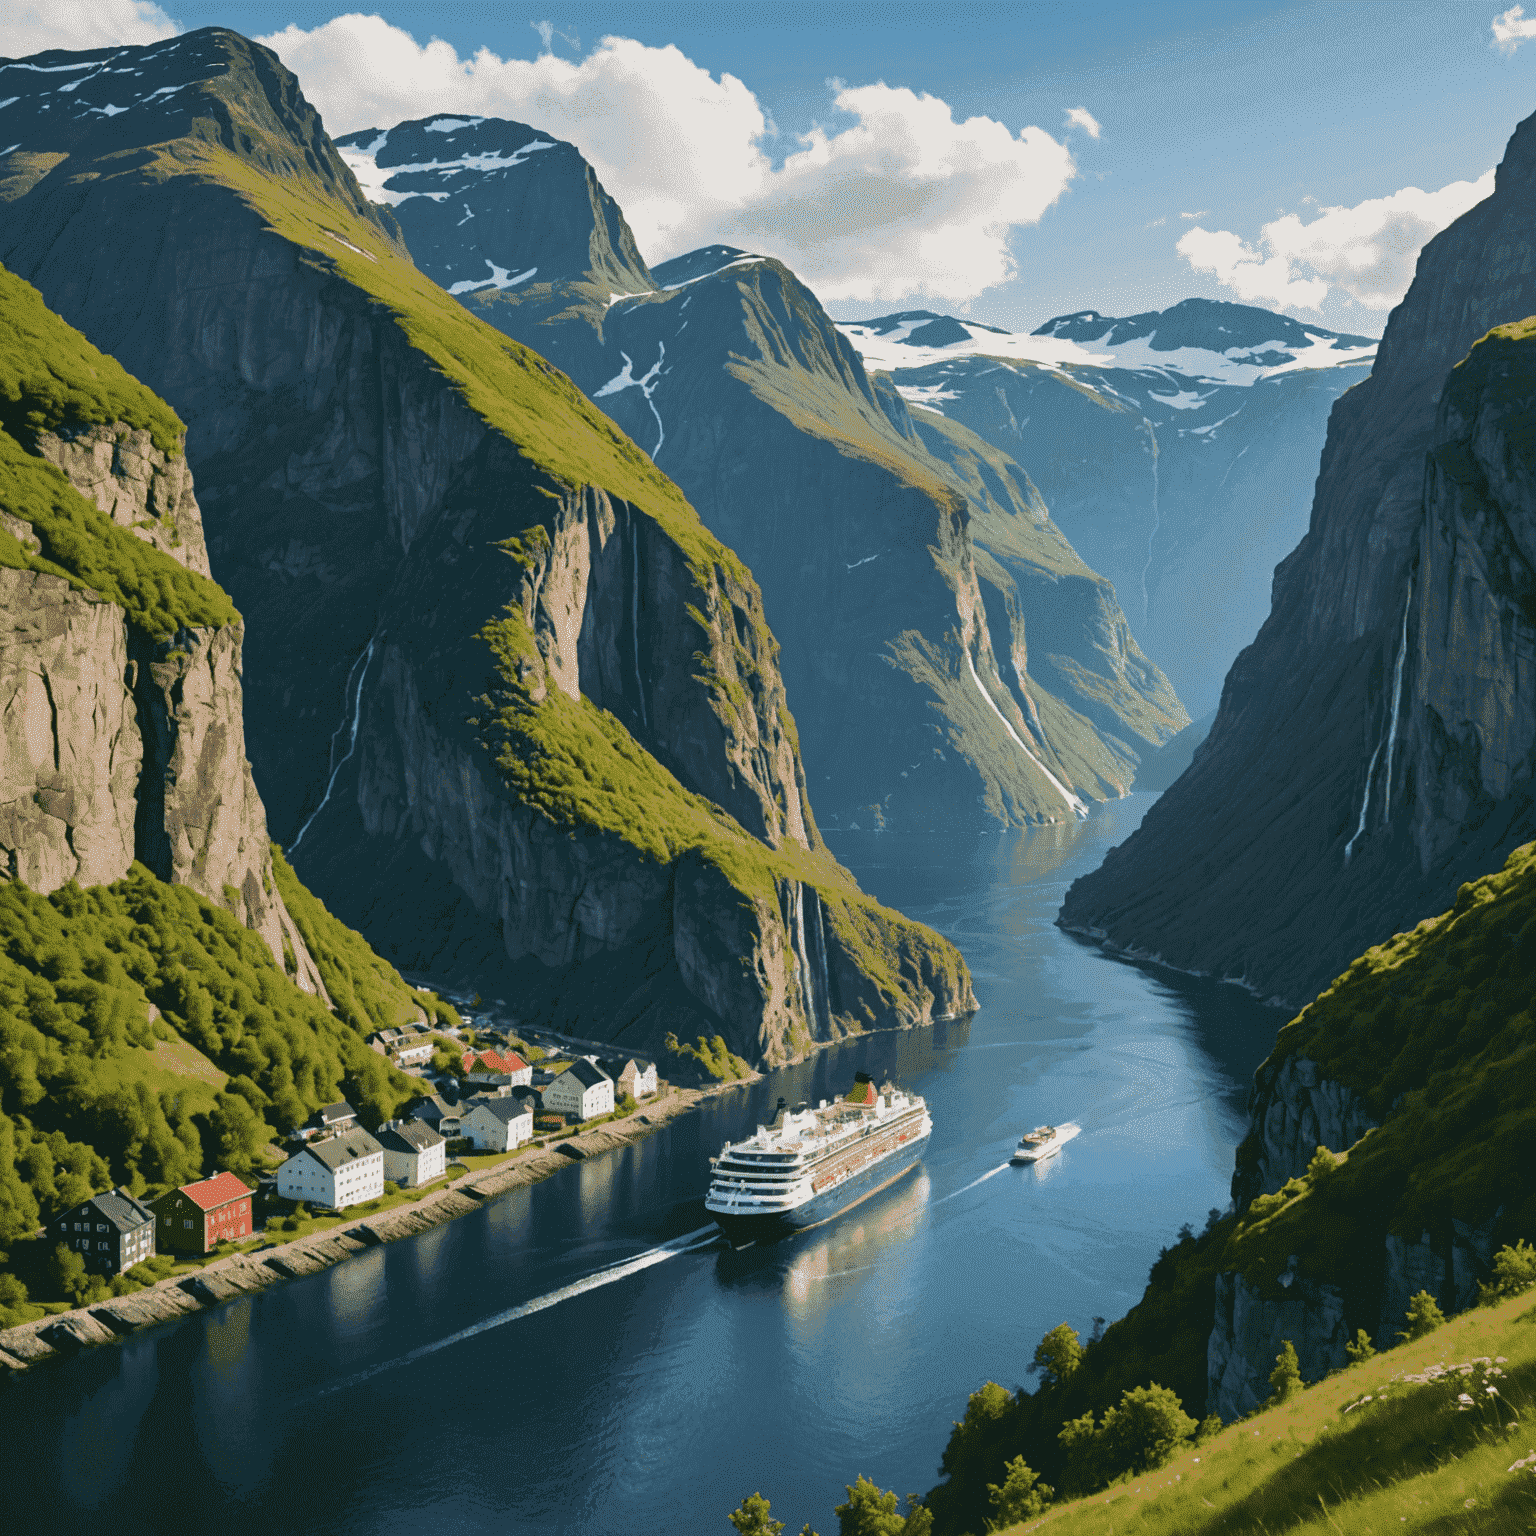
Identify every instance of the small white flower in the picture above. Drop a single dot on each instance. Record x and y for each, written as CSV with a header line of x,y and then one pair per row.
x,y
1462,1397
1491,1391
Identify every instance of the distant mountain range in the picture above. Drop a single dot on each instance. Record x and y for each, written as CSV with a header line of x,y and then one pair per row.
x,y
949,657
1176,449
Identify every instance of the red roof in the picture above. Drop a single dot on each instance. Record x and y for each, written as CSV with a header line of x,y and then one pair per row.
x,y
494,1061
210,1194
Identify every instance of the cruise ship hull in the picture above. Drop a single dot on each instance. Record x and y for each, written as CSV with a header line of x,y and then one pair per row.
x,y
741,1228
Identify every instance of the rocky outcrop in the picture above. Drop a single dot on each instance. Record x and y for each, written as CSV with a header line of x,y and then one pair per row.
x,y
1362,767
1251,1329
138,486
1292,1111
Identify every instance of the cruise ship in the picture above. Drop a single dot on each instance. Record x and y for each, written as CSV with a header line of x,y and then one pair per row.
x,y
812,1164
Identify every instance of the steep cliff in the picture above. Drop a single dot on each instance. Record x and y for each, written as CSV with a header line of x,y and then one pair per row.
x,y
1176,449
119,659
516,711
1369,753
901,564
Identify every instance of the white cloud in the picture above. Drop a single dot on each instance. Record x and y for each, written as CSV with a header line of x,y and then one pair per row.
x,y
1199,213
1369,251
28,29
904,201
1081,117
1512,27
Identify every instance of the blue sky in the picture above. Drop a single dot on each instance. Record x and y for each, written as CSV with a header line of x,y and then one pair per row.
x,y
1236,114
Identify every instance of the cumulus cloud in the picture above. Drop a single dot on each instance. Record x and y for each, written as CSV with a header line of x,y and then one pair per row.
x,y
1512,27
1081,117
28,29
903,201
1368,251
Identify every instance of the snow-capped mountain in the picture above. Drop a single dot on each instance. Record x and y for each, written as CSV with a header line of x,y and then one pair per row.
x,y
948,655
1176,449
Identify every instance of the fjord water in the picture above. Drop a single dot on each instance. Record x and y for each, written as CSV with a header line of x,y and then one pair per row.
x,y
582,1356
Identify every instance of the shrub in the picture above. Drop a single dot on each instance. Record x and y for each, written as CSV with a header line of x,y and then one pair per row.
x,y
1362,1349
1423,1316
751,1518
1285,1379
1021,1496
1514,1272
390,1187
1323,1163
66,1273
1143,1433
871,1511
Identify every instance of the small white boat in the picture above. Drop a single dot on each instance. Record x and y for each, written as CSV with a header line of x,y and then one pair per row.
x,y
1044,1141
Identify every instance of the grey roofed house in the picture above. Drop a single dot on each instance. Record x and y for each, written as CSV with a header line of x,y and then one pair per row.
x,y
435,1109
530,1097
341,1150
125,1212
506,1110
333,1117
409,1136
586,1072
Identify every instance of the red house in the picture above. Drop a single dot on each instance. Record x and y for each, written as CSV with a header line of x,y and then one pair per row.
x,y
197,1217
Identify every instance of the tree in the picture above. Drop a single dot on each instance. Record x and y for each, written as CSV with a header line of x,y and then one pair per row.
x,y
1514,1272
1020,1497
1145,1431
66,1271
1285,1379
1362,1349
871,1511
239,1135
1423,1316
1058,1355
751,1519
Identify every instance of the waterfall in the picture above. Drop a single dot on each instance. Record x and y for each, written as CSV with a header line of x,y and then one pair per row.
x,y
357,712
1397,699
1365,805
634,613
826,986
1156,520
1389,741
1073,803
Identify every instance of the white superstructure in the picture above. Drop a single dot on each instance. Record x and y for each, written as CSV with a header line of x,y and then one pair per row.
x,y
812,1163
1044,1141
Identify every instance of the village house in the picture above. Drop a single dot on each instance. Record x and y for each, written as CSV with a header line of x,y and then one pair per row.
x,y
499,1125
498,1064
197,1217
414,1154
582,1090
341,1171
444,1115
328,1120
630,1074
111,1232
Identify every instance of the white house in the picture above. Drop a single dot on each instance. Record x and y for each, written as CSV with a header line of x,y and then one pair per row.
x,y
343,1171
414,1154
496,1064
583,1090
630,1075
498,1125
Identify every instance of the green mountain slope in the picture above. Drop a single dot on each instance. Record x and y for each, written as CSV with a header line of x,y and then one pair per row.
x,y
484,627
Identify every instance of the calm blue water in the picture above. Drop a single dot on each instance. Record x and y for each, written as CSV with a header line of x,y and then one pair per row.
x,y
659,1379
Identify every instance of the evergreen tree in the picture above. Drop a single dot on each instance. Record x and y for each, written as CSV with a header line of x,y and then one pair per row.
x,y
1423,1316
1362,1349
1285,1379
1514,1272
871,1511
1021,1496
752,1519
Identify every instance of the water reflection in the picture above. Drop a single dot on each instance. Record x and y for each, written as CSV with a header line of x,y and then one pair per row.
x,y
226,1384
96,1441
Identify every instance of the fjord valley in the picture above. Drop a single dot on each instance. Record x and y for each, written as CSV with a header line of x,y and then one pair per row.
x,y
487,710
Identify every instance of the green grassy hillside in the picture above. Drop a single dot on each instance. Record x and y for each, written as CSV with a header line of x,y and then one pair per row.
x,y
1433,1436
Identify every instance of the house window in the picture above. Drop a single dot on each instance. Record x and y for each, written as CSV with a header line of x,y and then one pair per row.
x,y
186,1224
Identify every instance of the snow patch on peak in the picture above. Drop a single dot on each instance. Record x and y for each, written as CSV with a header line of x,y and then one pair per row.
x,y
500,278
452,124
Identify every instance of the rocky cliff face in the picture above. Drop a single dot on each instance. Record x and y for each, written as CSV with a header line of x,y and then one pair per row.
x,y
1177,450
515,713
917,696
121,745
1250,1331
1362,764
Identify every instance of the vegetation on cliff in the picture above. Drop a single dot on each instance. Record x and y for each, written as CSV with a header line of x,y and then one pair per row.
x,y
52,378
